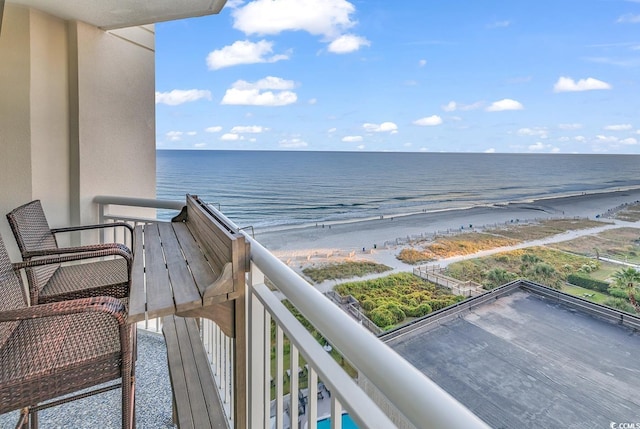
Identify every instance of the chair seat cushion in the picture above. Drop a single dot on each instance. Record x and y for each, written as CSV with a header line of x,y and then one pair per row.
x,y
48,357
101,278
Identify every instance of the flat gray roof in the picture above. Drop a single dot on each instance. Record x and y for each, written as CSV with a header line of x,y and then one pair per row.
x,y
524,360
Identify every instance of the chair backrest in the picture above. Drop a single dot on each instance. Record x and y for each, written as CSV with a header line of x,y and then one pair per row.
x,y
32,232
11,292
31,229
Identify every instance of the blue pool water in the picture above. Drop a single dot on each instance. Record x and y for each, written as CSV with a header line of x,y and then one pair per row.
x,y
347,423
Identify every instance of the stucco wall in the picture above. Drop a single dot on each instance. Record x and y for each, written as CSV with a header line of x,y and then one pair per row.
x,y
77,115
15,115
115,99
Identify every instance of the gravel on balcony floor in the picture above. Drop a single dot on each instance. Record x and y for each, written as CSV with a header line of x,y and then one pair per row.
x,y
153,397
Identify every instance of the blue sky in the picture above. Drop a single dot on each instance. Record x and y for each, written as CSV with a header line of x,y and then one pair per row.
x,y
543,76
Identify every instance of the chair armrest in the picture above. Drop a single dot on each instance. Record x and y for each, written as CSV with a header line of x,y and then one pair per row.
x,y
101,304
95,226
60,255
105,249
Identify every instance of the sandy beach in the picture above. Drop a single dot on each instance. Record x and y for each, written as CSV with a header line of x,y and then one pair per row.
x,y
379,238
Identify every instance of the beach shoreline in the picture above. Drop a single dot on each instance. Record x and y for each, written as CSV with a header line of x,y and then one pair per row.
x,y
362,236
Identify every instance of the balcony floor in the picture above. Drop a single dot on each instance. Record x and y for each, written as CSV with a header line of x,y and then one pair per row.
x,y
153,397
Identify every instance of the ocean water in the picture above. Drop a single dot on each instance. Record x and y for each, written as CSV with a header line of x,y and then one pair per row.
x,y
275,189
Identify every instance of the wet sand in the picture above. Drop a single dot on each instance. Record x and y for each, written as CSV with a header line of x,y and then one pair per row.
x,y
353,236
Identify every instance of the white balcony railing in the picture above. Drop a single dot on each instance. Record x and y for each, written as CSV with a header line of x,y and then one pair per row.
x,y
404,397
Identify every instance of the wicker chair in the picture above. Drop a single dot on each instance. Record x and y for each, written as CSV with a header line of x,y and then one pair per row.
x,y
59,348
53,282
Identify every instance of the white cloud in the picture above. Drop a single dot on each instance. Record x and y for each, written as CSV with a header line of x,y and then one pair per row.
x,y
215,129
428,121
569,126
629,18
567,84
539,146
269,82
490,150
504,104
606,139
385,127
360,147
313,101
292,143
328,18
254,94
629,141
332,130
252,129
199,145
243,52
174,136
191,133
180,96
231,137
352,139
347,43
254,97
452,106
422,63
580,139
537,131
618,127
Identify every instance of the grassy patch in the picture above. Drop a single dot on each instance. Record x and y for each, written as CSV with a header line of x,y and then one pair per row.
x,y
344,270
622,244
390,300
544,229
581,292
445,247
541,264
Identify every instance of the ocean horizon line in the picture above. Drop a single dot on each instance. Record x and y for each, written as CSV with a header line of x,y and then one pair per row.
x,y
393,152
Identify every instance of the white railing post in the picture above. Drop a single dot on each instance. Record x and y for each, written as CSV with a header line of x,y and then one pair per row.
x,y
255,351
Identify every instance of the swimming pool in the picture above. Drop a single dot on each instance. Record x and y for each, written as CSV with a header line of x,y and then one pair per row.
x,y
347,423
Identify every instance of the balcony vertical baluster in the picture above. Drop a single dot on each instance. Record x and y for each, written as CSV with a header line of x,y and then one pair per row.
x,y
294,385
279,384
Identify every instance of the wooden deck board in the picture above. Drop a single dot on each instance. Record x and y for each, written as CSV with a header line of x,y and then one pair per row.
x,y
159,294
196,400
185,291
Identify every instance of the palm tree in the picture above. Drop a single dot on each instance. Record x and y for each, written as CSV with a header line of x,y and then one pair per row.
x,y
629,279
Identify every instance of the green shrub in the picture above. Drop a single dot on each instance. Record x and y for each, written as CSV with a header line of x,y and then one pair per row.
x,y
621,293
368,305
620,304
382,317
588,283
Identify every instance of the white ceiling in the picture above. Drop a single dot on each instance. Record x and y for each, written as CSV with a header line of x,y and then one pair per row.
x,y
111,14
